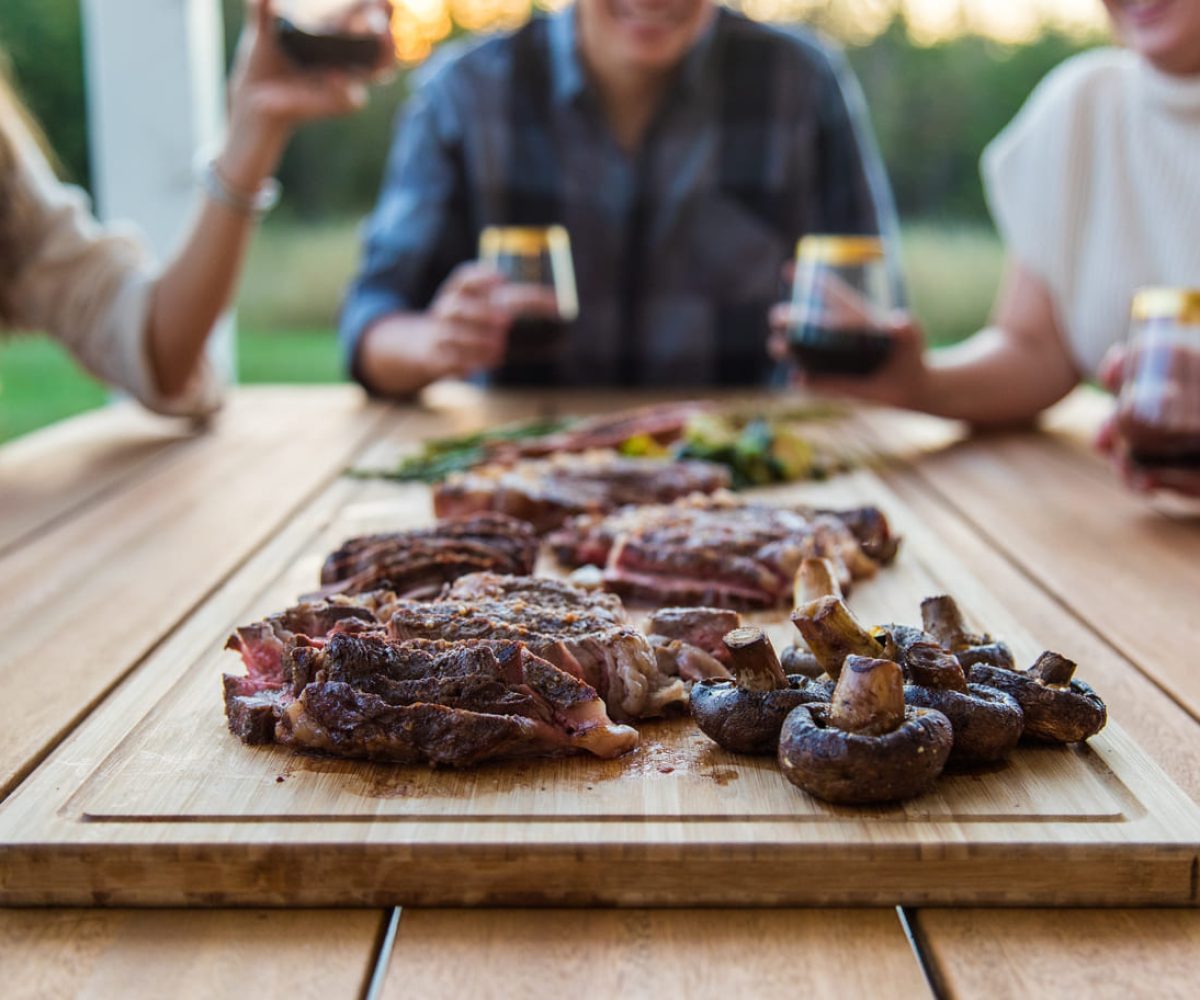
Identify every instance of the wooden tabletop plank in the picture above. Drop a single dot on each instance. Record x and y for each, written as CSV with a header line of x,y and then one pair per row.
x,y
81,604
1053,953
319,954
1098,954
1128,567
721,954
46,475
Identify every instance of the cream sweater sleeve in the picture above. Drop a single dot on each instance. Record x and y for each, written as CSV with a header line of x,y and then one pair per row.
x,y
90,288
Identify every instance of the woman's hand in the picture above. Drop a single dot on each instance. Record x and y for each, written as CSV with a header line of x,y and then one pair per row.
x,y
901,381
1110,442
269,95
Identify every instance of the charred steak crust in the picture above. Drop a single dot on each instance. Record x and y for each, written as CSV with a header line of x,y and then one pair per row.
x,y
422,560
546,492
719,549
464,666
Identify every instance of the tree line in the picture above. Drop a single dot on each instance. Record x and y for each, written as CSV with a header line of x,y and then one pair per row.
x,y
934,108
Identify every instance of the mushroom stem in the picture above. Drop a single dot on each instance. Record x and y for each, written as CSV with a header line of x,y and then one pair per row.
x,y
1053,668
942,618
869,697
753,659
833,633
814,579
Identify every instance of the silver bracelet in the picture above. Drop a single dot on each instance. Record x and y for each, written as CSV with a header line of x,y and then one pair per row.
x,y
256,205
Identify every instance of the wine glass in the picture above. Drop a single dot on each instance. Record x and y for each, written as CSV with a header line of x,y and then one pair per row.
x,y
1158,409
841,297
329,34
539,289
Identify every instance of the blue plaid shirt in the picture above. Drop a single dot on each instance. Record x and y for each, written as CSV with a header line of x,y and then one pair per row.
x,y
678,247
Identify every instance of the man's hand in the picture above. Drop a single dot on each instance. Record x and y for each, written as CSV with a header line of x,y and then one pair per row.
x,y
464,331
468,323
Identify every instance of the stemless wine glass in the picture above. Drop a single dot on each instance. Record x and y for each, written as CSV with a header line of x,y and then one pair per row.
x,y
1158,410
539,286
343,34
841,297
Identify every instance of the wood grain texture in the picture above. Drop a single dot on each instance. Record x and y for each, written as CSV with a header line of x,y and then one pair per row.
x,y
317,954
1105,955
718,954
83,603
153,775
51,473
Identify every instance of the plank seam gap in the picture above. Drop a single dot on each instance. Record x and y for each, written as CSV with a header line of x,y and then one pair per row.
x,y
36,760
994,543
385,944
922,952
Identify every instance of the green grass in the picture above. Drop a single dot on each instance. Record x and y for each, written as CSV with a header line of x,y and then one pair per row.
x,y
953,273
296,274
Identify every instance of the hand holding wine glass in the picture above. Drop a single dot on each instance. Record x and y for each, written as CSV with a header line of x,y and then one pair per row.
x,y
270,94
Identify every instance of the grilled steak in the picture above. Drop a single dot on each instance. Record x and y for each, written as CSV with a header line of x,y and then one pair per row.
x,y
703,628
717,550
582,633
660,422
418,563
545,492
452,704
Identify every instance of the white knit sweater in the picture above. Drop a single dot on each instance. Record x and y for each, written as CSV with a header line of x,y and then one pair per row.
x,y
1095,186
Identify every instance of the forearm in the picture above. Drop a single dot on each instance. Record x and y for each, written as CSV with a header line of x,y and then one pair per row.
x,y
995,379
390,359
199,281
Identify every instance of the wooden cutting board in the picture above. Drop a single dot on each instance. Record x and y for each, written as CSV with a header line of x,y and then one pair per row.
x,y
152,802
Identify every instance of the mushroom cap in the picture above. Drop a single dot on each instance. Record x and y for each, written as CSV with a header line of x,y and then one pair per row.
x,y
987,723
1068,713
991,654
851,769
796,659
749,721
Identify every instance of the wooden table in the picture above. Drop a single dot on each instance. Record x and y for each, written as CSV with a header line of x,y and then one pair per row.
x,y
117,529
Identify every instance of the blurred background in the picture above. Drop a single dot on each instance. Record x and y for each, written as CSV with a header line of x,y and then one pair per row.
x,y
941,77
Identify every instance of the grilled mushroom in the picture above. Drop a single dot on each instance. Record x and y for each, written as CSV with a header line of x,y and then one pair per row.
x,y
987,723
1057,708
943,620
865,745
814,579
833,633
745,715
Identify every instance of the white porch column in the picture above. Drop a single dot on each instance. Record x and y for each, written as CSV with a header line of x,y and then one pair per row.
x,y
155,88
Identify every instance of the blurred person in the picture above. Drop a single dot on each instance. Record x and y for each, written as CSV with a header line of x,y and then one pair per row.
x,y
684,148
138,327
1093,188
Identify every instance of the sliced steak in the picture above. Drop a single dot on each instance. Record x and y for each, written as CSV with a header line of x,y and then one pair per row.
x,y
660,422
717,550
546,492
583,640
698,628
418,563
452,704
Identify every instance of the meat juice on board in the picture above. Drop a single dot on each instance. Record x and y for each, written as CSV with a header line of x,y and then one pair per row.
x,y
1159,410
841,293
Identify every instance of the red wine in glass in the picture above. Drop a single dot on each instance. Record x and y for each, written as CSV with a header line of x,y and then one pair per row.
x,y
338,50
